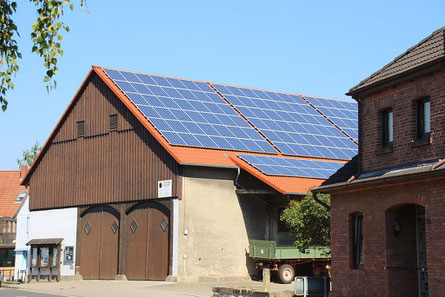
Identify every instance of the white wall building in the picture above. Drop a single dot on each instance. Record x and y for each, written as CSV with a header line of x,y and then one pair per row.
x,y
56,223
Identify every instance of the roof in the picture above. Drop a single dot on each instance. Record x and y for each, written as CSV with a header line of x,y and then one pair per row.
x,y
10,188
430,49
199,156
45,241
345,176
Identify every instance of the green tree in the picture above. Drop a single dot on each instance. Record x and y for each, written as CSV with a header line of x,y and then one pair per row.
x,y
308,221
46,38
28,156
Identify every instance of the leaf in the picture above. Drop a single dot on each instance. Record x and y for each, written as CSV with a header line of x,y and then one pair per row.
x,y
60,37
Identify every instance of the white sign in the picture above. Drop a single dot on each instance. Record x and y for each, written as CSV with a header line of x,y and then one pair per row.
x,y
164,188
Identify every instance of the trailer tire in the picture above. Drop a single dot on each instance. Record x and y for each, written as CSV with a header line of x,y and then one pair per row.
x,y
286,273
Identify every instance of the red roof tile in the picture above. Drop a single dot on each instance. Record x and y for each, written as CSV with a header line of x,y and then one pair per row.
x,y
10,188
200,156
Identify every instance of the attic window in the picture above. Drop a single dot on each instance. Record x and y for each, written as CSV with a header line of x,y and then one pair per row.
x,y
113,122
81,129
20,197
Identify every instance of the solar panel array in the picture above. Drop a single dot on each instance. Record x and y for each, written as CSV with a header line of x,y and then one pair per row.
x,y
189,113
291,124
343,113
292,167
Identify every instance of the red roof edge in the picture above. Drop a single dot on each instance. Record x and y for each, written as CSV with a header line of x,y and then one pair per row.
x,y
98,70
39,156
261,177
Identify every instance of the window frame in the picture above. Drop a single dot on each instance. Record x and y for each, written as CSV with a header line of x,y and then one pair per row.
x,y
387,127
421,118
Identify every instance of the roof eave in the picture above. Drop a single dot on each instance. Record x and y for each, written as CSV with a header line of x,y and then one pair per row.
x,y
415,72
356,183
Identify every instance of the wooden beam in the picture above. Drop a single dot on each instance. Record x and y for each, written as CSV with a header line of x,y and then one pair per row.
x,y
255,191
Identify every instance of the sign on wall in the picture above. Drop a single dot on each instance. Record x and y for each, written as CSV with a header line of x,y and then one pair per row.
x,y
164,188
69,253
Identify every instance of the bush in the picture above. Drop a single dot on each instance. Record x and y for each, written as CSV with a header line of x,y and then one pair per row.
x,y
308,221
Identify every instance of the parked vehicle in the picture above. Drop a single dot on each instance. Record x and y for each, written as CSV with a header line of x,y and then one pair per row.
x,y
287,260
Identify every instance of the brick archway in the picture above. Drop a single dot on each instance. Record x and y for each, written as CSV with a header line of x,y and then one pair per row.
x,y
406,267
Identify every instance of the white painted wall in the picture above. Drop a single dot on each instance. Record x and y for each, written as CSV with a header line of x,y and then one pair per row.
x,y
55,223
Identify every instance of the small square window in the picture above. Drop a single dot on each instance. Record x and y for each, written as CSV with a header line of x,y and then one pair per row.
x,y
113,122
423,118
87,228
134,226
81,129
387,128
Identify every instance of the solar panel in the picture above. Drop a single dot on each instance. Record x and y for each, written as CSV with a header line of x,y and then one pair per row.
x,y
189,113
291,124
292,167
343,113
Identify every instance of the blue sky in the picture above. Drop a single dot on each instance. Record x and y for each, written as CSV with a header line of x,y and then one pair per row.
x,y
308,47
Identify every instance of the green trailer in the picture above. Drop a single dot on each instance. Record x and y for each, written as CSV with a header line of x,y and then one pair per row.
x,y
284,260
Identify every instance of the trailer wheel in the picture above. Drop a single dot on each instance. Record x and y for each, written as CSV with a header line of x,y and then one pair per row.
x,y
286,273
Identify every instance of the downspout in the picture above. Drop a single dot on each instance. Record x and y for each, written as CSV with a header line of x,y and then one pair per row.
x,y
315,193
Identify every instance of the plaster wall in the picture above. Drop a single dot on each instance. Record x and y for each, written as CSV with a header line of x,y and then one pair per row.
x,y
56,223
215,225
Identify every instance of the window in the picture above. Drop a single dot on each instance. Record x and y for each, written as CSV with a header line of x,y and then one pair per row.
x,y
81,129
282,227
387,128
20,197
423,118
113,122
357,241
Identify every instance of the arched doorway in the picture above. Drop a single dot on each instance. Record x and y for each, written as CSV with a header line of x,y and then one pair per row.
x,y
147,241
407,267
99,242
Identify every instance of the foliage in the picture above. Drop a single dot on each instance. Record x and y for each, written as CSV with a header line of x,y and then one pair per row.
x,y
28,156
46,38
8,49
308,221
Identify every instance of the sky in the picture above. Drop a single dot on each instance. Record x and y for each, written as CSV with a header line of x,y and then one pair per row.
x,y
320,48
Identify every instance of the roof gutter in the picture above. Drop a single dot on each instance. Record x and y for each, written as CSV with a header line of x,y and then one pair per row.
x,y
380,181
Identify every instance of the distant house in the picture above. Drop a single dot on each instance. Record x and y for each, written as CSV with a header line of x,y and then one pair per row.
x,y
172,177
45,242
12,194
387,204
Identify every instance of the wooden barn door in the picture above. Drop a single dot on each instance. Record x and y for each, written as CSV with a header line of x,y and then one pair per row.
x,y
148,242
99,243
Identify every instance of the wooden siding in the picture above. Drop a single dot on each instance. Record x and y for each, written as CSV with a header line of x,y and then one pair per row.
x,y
103,166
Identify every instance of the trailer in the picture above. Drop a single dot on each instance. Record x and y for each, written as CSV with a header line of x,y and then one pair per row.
x,y
285,260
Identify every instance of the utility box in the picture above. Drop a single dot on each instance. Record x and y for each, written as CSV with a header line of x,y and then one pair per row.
x,y
312,286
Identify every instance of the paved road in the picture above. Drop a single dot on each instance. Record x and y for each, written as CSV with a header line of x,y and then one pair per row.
x,y
97,288
20,293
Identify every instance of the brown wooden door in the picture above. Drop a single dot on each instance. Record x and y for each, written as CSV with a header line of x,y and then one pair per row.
x,y
137,237
148,242
99,243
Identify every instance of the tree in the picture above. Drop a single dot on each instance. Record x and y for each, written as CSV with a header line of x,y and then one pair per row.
x,y
308,221
28,156
46,38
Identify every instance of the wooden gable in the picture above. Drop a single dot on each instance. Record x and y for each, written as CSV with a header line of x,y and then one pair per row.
x,y
103,164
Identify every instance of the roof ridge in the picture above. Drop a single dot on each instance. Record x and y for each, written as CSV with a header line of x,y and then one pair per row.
x,y
224,84
399,57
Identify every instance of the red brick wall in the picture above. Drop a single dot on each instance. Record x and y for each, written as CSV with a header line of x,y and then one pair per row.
x,y
401,98
372,280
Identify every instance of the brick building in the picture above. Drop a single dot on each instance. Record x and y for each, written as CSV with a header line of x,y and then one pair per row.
x,y
387,204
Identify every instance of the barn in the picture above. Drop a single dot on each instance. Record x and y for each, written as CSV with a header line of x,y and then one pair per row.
x,y
171,177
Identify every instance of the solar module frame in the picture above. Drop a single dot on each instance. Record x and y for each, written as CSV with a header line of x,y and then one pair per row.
x,y
282,166
189,113
290,123
342,113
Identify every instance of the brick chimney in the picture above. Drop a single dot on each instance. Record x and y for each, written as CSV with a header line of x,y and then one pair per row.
x,y
23,171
